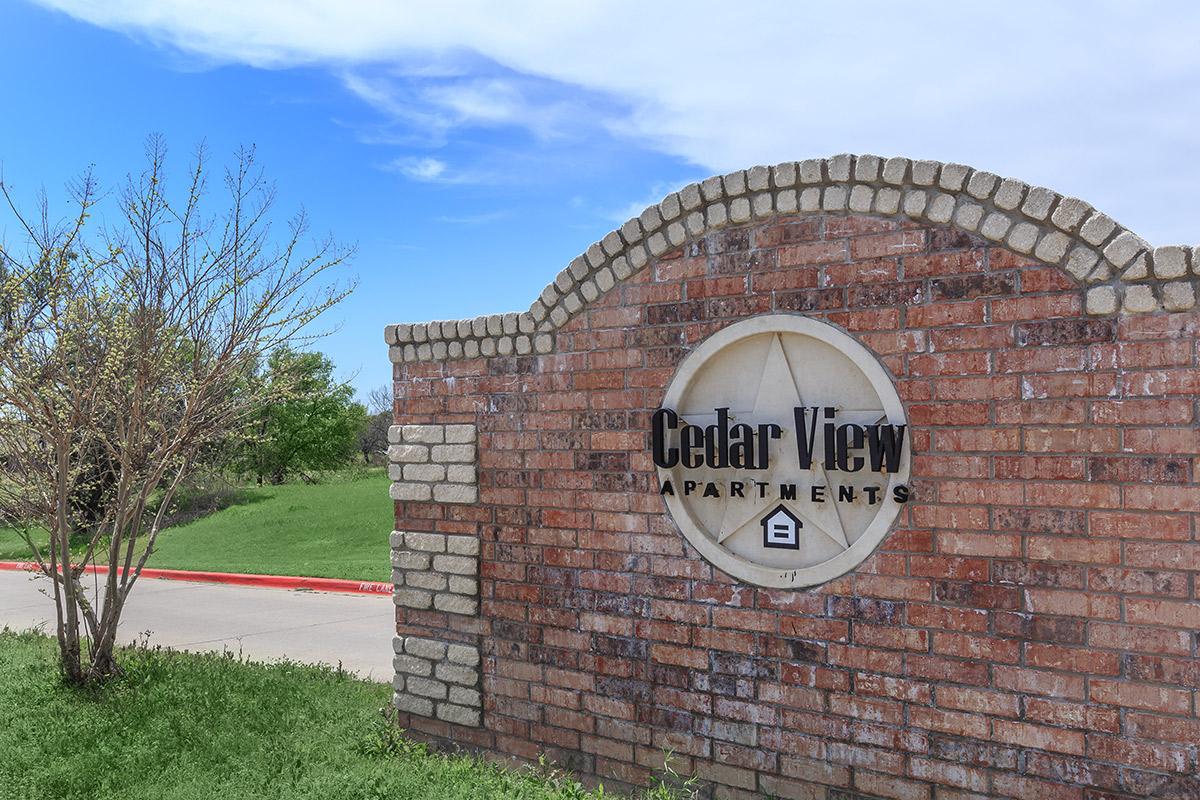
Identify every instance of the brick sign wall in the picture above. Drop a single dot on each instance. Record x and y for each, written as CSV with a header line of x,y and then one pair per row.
x,y
1028,629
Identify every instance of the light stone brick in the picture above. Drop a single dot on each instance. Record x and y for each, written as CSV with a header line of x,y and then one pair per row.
x,y
440,350
548,298
914,203
427,473
456,604
543,343
408,453
1052,247
462,545
524,345
424,352
471,349
676,233
396,355
895,170
1196,260
981,185
1170,262
631,231
861,198
758,179
413,598
787,201
430,581
784,174
1081,261
461,695
968,216
456,565
839,167
812,170
612,243
455,493
887,201
953,176
834,198
464,329
689,197
1038,202
396,539
739,210
695,223
453,673
389,334
1097,228
487,347
1023,237
426,687
509,322
430,649
411,665
397,644
1121,250
460,584
460,434
422,434
413,705
467,717
453,453
455,350
1138,269
571,303
463,654
941,208
420,333
1101,272
866,168
735,183
716,215
1178,296
425,542
1069,212
589,290
462,473
810,199
1139,299
409,560
1009,194
925,173
604,279
398,683
404,334
763,205
995,226
579,270
417,492
658,244
712,190
395,472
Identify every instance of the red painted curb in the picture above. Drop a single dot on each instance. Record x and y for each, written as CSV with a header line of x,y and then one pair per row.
x,y
239,579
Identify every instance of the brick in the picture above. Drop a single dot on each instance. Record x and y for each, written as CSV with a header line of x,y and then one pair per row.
x,y
1146,696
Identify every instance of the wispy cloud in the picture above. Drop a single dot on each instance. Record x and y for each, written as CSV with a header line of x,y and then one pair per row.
x,y
484,218
743,83
420,169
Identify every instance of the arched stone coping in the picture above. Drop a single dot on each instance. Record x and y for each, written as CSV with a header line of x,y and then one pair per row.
x,y
1122,273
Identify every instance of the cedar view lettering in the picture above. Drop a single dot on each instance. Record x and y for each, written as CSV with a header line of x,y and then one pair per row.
x,y
847,447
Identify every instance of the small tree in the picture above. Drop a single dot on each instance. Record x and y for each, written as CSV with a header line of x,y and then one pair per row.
x,y
308,421
129,347
373,439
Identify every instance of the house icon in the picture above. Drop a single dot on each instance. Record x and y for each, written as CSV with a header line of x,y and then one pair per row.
x,y
781,529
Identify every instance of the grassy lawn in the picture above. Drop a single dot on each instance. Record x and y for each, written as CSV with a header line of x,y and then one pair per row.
x,y
186,726
334,529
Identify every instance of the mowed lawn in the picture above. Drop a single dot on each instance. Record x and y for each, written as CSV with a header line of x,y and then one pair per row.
x,y
334,529
338,528
195,727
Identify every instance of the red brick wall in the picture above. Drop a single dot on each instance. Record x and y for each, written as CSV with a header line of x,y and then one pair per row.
x,y
1028,630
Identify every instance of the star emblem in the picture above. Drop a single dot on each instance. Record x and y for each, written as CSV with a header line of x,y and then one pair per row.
x,y
781,389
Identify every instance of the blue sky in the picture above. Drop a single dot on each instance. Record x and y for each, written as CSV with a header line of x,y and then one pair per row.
x,y
470,155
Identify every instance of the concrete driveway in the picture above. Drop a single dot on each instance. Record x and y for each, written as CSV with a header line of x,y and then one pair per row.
x,y
262,624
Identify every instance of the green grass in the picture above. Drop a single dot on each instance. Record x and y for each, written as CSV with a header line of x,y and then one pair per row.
x,y
334,529
12,546
195,727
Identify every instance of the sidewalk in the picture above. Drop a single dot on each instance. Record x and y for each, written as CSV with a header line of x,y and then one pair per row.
x,y
261,623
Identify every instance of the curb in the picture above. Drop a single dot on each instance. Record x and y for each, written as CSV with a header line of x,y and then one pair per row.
x,y
339,585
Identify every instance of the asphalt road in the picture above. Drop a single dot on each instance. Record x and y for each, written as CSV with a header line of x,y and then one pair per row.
x,y
261,624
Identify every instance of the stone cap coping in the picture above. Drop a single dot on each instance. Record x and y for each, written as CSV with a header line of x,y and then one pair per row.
x,y
1122,273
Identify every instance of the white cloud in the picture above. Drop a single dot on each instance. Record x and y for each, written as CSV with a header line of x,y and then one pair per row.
x,y
420,169
1095,100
